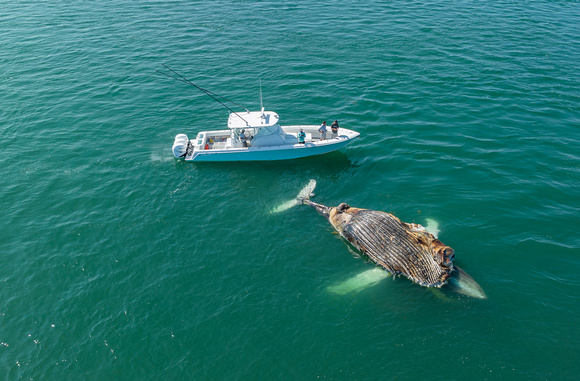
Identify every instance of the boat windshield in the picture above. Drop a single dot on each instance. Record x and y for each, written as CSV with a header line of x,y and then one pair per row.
x,y
269,136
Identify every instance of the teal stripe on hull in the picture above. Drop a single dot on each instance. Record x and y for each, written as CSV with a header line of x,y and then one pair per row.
x,y
268,154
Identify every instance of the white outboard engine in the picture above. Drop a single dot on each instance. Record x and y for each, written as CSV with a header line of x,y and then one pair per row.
x,y
180,146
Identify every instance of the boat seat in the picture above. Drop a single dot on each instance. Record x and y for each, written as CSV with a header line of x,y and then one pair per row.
x,y
219,145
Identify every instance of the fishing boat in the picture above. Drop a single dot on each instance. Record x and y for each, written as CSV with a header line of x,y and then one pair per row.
x,y
258,136
255,136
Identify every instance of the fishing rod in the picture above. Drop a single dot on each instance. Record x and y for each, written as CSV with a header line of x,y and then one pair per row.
x,y
185,80
181,78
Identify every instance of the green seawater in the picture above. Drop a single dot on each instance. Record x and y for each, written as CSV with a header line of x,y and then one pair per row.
x,y
119,262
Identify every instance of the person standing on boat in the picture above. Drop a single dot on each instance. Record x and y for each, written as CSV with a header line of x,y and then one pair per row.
x,y
322,131
301,136
334,128
243,138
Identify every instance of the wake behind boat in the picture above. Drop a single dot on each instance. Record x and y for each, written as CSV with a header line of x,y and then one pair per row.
x,y
255,136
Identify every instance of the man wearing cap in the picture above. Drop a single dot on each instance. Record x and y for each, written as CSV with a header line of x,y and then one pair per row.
x,y
334,128
301,137
322,131
243,138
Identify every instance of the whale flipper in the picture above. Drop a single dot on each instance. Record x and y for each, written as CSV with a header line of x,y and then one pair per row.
x,y
432,227
359,282
463,283
303,195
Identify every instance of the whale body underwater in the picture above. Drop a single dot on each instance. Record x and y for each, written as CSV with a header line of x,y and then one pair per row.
x,y
399,248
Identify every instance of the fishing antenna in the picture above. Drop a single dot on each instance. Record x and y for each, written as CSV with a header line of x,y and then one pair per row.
x,y
261,103
181,78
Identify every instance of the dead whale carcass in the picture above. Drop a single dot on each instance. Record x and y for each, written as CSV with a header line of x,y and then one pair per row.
x,y
398,247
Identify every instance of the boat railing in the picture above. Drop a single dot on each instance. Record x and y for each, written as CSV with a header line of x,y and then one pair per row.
x,y
311,132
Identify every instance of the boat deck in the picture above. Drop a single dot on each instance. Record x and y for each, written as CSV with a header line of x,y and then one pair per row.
x,y
225,145
216,140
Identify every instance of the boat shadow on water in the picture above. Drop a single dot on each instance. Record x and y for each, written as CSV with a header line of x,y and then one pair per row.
x,y
330,164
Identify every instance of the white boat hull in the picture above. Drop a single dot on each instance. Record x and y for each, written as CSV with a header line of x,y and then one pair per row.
x,y
312,146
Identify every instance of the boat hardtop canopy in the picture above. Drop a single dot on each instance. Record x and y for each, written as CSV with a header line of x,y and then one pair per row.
x,y
253,119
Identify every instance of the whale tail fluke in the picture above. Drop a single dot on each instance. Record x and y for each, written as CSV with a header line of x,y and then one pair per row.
x,y
463,283
304,194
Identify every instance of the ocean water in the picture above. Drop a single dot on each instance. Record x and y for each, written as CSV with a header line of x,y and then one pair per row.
x,y
119,262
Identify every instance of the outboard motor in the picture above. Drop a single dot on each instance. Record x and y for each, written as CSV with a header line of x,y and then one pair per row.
x,y
180,146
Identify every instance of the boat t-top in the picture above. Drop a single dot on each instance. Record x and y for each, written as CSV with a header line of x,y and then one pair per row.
x,y
257,136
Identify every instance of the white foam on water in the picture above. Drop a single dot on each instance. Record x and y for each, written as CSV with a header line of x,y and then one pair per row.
x,y
159,158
